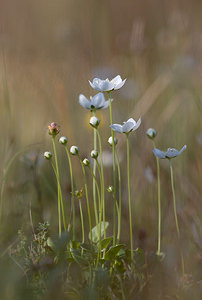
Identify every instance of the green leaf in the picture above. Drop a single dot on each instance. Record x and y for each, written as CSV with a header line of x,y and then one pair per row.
x,y
121,254
105,243
89,248
75,245
113,251
51,244
139,257
78,257
95,231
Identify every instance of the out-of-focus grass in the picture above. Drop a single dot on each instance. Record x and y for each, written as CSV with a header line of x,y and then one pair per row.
x,y
48,51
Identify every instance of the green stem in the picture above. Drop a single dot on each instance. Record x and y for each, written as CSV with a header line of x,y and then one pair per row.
x,y
72,188
98,192
94,165
119,212
59,209
82,223
102,182
87,200
129,198
101,203
159,203
114,171
60,198
176,219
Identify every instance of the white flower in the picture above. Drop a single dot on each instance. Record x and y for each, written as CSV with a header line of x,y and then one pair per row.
x,y
96,102
127,127
107,85
170,153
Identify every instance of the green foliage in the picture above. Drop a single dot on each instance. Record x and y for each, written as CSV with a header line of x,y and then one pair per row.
x,y
95,231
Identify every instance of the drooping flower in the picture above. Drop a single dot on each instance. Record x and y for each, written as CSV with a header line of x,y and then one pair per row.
x,y
107,85
96,102
127,127
170,153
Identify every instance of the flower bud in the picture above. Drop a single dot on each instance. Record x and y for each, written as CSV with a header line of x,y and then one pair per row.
x,y
47,155
74,150
110,189
94,154
86,162
94,122
110,141
79,193
63,140
53,129
151,133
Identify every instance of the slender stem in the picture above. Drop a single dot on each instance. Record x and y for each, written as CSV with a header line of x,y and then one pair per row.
x,y
176,219
60,198
82,223
87,200
59,210
102,182
98,224
94,164
114,171
72,188
119,208
101,202
159,203
129,198
98,192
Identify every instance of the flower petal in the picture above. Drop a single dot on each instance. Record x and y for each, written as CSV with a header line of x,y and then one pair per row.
x,y
117,128
116,80
127,127
118,86
171,153
101,85
106,86
183,148
158,153
131,120
98,100
137,124
83,101
106,104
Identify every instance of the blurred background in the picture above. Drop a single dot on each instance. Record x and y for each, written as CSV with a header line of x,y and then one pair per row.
x,y
48,52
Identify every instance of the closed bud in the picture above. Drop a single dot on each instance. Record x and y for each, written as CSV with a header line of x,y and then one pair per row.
x,y
47,155
151,133
86,162
110,141
110,189
74,150
63,140
94,154
53,129
94,122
